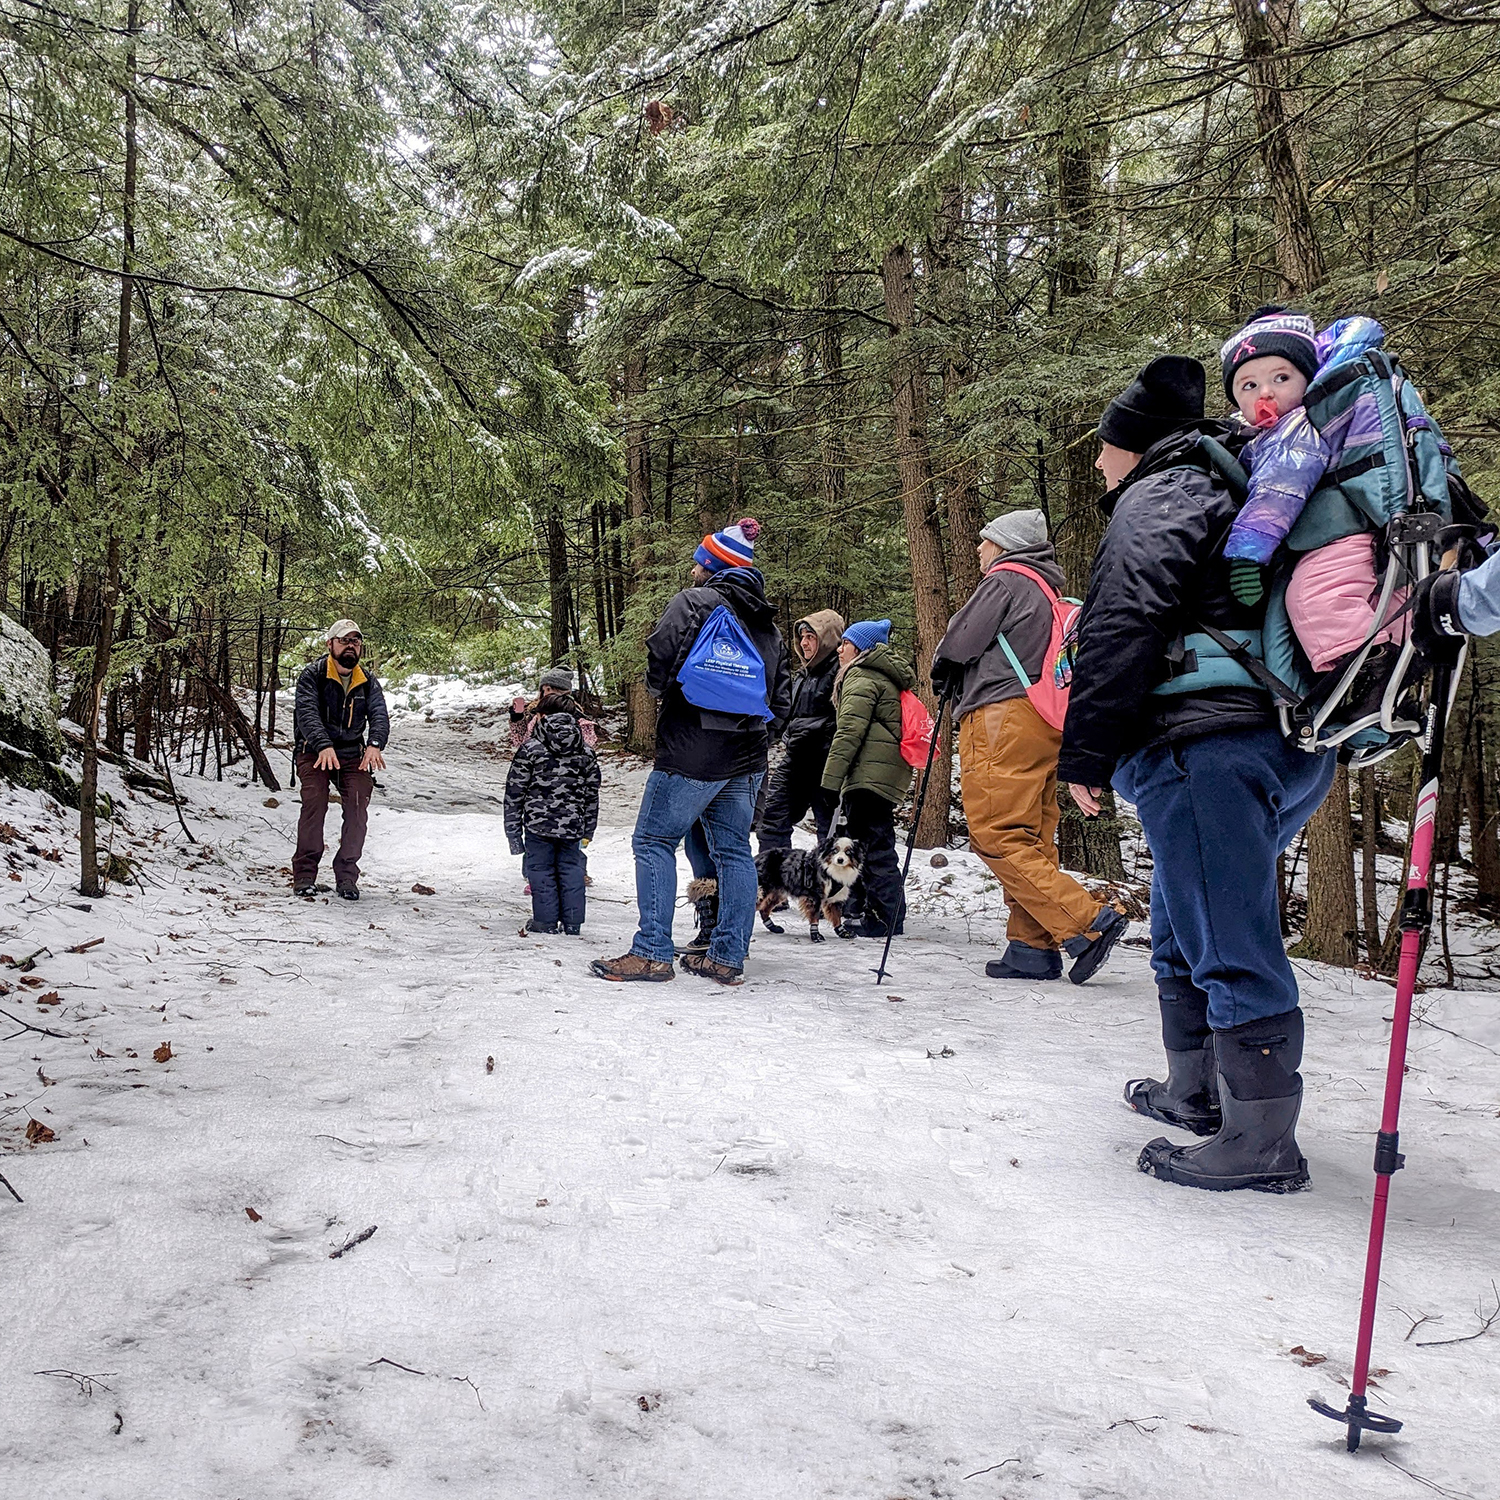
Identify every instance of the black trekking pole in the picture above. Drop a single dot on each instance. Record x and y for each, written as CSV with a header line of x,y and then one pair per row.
x,y
1416,920
911,838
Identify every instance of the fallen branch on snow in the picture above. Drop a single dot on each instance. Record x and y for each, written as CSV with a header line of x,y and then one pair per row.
x,y
5,1181
349,1244
431,1375
27,1026
1487,1320
85,1383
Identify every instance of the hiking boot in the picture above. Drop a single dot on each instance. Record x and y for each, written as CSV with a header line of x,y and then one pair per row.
x,y
1260,1097
710,968
307,892
631,966
704,894
1189,1096
349,892
548,929
1022,961
1090,949
572,932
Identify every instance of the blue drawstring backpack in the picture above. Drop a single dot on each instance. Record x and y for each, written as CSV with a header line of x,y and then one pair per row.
x,y
724,672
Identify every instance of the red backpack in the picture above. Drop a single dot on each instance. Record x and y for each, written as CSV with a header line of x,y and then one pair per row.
x,y
917,730
1049,693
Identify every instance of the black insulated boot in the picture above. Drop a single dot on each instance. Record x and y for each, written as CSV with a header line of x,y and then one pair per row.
x,y
1260,1096
1089,950
1022,961
704,894
1189,1095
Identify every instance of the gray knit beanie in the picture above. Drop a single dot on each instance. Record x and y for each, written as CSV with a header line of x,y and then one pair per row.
x,y
1021,528
559,679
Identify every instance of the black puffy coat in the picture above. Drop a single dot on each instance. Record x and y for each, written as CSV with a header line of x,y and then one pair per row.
x,y
1159,573
326,716
553,786
696,742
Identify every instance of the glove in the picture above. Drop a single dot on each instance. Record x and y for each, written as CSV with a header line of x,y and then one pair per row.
x,y
518,849
1463,542
1247,580
1437,633
947,678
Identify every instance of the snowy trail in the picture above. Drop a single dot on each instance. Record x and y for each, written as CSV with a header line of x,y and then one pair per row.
x,y
802,1238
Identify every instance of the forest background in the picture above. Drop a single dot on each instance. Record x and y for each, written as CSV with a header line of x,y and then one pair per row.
x,y
468,320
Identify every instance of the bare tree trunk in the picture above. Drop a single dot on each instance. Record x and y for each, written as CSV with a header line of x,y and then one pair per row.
x,y
949,256
640,708
924,538
89,883
1269,31
559,586
1332,932
1369,840
1484,820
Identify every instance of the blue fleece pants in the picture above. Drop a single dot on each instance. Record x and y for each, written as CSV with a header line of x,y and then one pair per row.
x,y
1217,811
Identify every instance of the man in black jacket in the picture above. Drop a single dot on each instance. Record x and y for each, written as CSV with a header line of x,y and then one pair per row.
x,y
709,768
337,704
1180,728
797,782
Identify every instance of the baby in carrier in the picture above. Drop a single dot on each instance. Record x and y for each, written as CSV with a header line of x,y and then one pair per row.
x,y
1334,590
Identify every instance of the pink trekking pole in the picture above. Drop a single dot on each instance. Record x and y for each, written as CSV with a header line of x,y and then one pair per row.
x,y
1416,919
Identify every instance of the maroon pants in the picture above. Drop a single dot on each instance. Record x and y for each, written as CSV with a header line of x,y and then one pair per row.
x,y
355,787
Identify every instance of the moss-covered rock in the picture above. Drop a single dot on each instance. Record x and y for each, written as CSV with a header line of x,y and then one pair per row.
x,y
31,745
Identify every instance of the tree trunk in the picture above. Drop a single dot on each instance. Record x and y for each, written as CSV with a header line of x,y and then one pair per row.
x,y
1484,819
89,882
924,538
1269,30
640,708
950,258
1332,933
559,586
1369,840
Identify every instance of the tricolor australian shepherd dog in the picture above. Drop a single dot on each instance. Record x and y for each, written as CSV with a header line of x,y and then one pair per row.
x,y
819,880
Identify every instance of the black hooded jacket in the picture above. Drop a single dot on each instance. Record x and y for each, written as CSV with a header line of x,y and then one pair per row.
x,y
699,743
1159,572
552,790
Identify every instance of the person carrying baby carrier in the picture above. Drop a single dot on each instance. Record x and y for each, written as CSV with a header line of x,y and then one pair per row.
x,y
716,666
1002,649
1219,790
551,811
1346,483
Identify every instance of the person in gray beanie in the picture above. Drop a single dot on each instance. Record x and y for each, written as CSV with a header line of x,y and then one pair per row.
x,y
994,650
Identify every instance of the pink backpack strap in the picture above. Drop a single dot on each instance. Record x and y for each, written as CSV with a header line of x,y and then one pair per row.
x,y
1032,574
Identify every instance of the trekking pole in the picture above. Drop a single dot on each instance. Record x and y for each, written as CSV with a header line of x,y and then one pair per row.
x,y
911,838
1416,919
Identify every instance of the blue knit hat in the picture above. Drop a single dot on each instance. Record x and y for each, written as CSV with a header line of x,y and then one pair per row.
x,y
734,547
867,633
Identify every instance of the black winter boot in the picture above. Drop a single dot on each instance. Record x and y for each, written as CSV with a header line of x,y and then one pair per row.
x,y
1189,1096
704,894
1022,961
1260,1096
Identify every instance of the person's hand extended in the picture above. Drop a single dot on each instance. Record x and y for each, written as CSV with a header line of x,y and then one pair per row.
x,y
372,759
328,760
1087,798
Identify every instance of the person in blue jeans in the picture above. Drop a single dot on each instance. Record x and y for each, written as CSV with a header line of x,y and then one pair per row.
x,y
708,769
1191,739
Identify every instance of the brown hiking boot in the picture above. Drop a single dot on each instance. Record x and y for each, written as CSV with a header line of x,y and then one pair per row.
x,y
710,968
633,966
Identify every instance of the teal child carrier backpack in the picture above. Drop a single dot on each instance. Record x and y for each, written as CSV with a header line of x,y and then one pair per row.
x,y
1392,473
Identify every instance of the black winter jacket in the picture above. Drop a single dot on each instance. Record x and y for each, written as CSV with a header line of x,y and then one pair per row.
x,y
552,790
697,742
1159,573
812,715
325,716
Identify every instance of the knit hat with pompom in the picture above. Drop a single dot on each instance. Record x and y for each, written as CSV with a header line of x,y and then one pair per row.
x,y
734,547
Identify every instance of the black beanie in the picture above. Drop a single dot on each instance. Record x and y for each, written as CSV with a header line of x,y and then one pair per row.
x,y
1271,330
1164,398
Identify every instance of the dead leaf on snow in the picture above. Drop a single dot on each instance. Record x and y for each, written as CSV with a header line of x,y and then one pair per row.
x,y
37,1132
50,998
1305,1357
251,1214
423,890
489,1065
33,981
163,1053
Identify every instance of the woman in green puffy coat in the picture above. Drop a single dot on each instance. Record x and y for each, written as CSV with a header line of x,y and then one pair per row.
x,y
865,765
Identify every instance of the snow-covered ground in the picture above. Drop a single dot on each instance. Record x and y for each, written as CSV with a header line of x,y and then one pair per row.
x,y
810,1237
